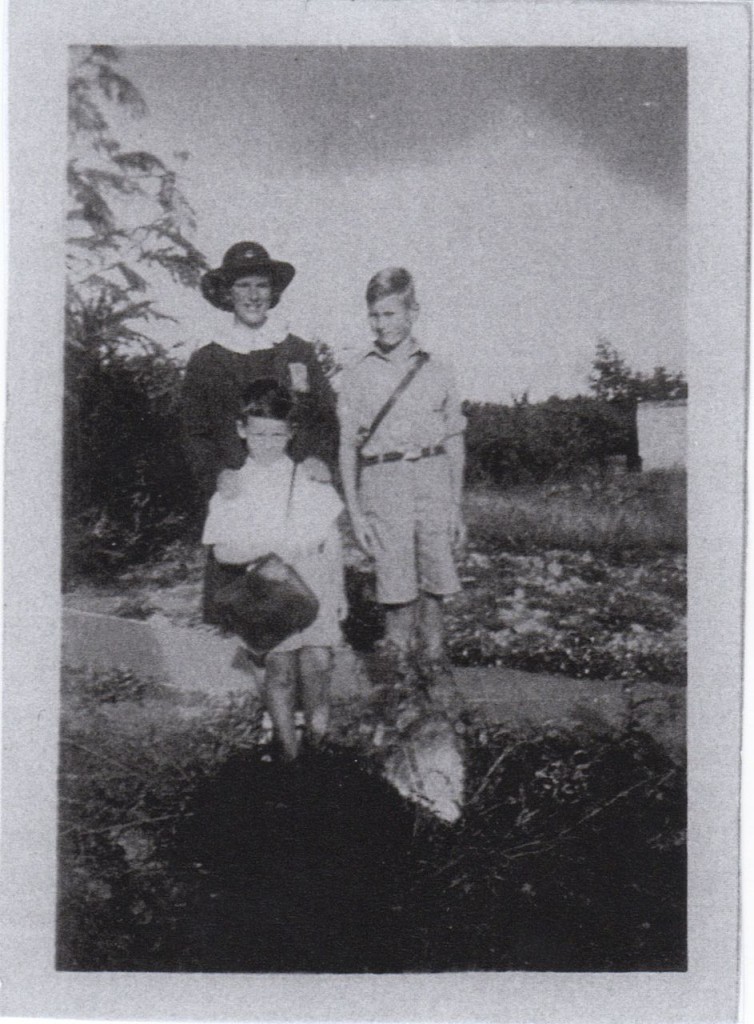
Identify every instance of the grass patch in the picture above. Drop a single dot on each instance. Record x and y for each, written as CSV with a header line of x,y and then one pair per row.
x,y
620,517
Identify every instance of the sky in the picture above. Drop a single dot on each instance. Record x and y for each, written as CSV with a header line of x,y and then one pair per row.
x,y
537,194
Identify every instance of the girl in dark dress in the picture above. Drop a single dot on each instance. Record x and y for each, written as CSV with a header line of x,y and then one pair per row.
x,y
250,345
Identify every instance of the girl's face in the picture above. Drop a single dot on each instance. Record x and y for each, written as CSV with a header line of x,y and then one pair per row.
x,y
252,299
266,440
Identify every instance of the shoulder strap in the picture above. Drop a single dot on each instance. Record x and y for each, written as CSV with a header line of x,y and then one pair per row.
x,y
290,491
421,359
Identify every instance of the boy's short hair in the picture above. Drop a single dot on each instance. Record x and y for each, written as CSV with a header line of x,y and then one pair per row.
x,y
267,399
392,281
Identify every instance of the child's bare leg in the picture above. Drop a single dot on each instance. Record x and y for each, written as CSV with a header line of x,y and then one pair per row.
x,y
280,697
431,625
400,624
316,669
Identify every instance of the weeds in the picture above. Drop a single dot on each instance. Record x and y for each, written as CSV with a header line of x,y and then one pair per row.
x,y
130,753
170,817
573,614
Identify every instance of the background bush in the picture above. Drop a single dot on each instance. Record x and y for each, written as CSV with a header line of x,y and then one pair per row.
x,y
127,490
534,443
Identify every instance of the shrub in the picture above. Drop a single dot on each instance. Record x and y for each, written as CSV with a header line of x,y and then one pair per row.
x,y
532,443
127,488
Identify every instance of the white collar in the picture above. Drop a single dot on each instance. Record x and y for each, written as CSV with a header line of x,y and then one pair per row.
x,y
239,338
413,349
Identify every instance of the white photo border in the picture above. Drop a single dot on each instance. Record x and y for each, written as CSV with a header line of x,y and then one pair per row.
x,y
717,39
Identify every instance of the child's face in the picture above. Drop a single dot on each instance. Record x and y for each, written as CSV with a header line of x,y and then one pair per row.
x,y
252,298
265,439
392,321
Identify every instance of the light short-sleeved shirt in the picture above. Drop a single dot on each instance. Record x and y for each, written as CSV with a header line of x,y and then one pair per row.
x,y
426,414
261,513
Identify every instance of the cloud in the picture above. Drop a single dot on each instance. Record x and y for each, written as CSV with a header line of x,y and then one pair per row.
x,y
325,108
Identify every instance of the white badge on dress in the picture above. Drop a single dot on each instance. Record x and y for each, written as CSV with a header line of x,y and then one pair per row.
x,y
299,377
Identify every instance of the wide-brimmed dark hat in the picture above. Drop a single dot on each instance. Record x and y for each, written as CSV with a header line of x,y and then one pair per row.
x,y
241,259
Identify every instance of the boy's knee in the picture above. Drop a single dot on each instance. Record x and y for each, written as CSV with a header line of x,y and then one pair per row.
x,y
280,671
315,659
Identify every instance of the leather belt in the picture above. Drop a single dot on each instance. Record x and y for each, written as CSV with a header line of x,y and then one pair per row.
x,y
411,456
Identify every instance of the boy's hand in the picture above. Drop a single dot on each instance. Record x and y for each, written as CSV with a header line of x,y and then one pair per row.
x,y
457,527
364,534
229,483
316,470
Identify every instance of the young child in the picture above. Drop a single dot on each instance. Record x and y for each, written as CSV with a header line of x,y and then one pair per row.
x,y
402,485
265,512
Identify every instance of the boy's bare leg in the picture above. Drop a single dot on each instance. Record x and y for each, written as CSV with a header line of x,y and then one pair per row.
x,y
400,625
431,625
433,666
316,669
280,697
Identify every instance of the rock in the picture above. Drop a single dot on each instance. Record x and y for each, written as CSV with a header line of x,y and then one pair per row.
x,y
426,766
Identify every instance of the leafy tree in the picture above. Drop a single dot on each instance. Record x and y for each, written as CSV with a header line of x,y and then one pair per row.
x,y
612,380
125,484
663,385
126,214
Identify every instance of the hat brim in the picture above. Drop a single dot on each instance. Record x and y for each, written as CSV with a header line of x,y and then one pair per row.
x,y
215,283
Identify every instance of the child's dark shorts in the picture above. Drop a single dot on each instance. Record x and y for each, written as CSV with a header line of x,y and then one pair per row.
x,y
409,506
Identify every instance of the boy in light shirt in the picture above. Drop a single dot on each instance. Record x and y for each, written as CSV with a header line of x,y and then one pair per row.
x,y
403,485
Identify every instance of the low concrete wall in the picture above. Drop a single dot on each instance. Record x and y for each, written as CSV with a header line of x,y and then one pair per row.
x,y
662,434
194,659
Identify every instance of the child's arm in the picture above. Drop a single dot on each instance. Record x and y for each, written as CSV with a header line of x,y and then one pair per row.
x,y
348,470
238,552
349,463
455,424
238,533
456,450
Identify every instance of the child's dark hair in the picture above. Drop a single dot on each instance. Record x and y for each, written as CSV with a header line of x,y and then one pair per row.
x,y
267,399
392,281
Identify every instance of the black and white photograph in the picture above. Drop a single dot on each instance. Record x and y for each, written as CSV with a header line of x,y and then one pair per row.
x,y
394,422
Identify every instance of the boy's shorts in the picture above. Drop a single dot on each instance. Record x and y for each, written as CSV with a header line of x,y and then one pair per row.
x,y
409,506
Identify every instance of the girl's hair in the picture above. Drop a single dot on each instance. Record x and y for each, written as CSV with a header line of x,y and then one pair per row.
x,y
392,281
267,399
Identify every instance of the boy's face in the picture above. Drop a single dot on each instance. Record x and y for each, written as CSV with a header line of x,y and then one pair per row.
x,y
251,297
265,439
392,321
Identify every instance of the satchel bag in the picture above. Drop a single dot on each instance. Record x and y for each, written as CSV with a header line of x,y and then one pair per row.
x,y
267,603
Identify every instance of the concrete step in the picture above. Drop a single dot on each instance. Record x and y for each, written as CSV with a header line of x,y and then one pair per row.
x,y
192,659
198,659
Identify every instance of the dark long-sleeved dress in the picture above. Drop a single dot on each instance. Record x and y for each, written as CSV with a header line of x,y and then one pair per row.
x,y
215,381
